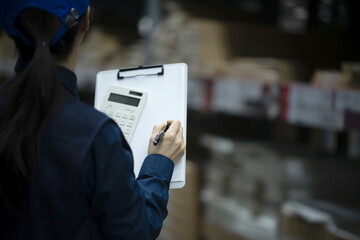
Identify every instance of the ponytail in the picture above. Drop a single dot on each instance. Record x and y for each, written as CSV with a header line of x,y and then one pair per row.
x,y
29,99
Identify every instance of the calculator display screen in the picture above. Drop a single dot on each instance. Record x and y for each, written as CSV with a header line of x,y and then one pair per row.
x,y
124,99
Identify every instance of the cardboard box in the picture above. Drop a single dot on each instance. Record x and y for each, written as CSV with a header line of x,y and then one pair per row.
x,y
307,221
215,232
213,42
183,221
201,43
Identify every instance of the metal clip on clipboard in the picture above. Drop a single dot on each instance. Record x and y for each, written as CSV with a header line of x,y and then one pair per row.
x,y
140,71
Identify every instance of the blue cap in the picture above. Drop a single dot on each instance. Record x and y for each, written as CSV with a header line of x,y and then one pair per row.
x,y
68,11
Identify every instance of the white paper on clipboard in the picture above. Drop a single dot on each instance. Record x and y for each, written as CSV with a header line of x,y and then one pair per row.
x,y
167,100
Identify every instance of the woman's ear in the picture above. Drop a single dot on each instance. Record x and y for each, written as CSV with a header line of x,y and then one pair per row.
x,y
86,25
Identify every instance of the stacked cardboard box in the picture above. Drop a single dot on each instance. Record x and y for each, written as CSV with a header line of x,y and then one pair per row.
x,y
319,220
351,74
201,44
246,184
180,37
244,187
183,221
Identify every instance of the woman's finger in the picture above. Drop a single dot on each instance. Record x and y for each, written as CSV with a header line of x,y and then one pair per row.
x,y
157,129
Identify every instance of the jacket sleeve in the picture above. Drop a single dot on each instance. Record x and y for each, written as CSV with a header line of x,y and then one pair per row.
x,y
125,207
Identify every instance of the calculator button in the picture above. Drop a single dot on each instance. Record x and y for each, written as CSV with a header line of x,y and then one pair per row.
x,y
127,130
132,117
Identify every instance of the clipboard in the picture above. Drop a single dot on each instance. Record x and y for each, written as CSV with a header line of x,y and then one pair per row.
x,y
166,88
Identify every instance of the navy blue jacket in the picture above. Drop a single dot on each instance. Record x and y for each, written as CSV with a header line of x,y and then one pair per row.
x,y
83,185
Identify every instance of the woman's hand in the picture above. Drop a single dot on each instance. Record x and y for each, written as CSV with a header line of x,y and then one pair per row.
x,y
172,143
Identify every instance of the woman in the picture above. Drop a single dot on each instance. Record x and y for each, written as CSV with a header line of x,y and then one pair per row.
x,y
66,171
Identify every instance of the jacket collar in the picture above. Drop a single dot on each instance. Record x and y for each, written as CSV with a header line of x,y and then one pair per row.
x,y
68,80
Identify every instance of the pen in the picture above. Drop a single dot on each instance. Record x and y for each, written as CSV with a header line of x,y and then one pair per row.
x,y
158,136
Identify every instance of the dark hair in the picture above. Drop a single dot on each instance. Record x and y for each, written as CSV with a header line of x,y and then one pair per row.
x,y
28,100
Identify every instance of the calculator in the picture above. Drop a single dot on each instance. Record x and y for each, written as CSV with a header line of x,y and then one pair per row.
x,y
124,106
